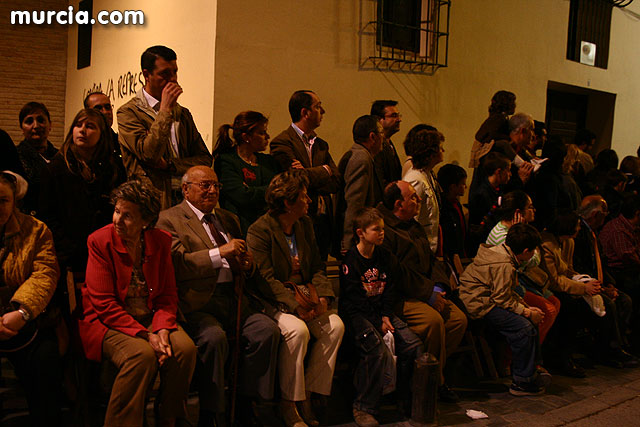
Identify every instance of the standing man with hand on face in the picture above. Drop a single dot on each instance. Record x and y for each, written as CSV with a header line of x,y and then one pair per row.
x,y
299,147
387,161
158,136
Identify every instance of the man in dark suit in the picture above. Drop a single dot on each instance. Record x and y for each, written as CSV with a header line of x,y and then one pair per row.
x,y
363,184
387,160
299,147
209,261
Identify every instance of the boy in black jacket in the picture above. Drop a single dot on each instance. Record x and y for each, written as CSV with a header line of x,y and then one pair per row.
x,y
366,305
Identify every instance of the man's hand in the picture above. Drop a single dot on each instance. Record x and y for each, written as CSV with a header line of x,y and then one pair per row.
x,y
170,95
439,302
295,164
246,261
536,315
13,320
524,172
386,325
593,287
610,291
234,248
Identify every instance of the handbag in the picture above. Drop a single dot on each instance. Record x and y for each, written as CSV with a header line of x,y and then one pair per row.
x,y
305,294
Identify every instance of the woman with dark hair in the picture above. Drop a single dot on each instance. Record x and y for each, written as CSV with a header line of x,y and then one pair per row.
x,y
284,248
515,208
408,164
426,151
35,150
76,188
557,261
495,129
130,303
243,170
28,273
453,180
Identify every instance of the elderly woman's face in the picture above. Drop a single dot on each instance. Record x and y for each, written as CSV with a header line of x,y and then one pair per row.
x,y
300,207
127,220
7,202
36,127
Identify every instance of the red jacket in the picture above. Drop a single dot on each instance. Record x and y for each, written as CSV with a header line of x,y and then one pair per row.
x,y
108,276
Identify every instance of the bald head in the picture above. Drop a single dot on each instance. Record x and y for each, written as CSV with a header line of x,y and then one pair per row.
x,y
201,188
593,210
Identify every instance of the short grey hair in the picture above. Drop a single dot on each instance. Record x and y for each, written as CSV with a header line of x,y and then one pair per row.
x,y
597,203
519,121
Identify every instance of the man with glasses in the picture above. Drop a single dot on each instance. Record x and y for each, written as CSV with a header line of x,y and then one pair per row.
x,y
210,263
101,102
158,136
387,161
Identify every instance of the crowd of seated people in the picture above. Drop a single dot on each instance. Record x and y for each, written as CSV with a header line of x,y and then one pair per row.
x,y
144,250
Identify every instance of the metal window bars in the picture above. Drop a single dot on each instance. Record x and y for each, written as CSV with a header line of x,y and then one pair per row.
x,y
417,41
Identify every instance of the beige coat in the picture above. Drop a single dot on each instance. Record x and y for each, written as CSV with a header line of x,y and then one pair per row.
x,y
557,262
489,282
30,269
145,139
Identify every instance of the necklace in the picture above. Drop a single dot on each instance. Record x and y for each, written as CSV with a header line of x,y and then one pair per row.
x,y
250,162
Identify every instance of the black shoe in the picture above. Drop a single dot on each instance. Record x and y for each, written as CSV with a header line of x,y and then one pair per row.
x,y
525,389
543,377
628,360
445,394
570,369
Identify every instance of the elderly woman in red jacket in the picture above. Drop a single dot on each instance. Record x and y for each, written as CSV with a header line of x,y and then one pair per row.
x,y
130,304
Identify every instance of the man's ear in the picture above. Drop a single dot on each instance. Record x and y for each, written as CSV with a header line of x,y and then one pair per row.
x,y
397,204
146,74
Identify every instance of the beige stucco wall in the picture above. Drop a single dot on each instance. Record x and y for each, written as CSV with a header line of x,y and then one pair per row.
x,y
186,27
266,50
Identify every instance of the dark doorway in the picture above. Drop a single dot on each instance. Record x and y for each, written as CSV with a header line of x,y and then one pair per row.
x,y
571,108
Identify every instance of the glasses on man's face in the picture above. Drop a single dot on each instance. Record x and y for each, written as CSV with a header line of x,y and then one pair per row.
x,y
206,185
393,116
103,107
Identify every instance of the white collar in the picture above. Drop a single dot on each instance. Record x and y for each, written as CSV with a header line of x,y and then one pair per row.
x,y
197,211
150,100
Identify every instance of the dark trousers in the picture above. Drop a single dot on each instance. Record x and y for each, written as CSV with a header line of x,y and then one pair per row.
x,y
39,370
374,356
522,336
322,230
259,341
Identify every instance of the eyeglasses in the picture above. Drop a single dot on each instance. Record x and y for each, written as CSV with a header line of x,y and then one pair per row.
x,y
393,116
101,107
206,185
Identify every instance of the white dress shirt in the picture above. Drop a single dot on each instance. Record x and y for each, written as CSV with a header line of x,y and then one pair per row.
x,y
155,106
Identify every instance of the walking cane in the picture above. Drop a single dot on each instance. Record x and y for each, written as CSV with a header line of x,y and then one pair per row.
x,y
239,288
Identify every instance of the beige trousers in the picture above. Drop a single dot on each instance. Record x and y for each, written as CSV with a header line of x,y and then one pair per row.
x,y
295,380
441,332
137,366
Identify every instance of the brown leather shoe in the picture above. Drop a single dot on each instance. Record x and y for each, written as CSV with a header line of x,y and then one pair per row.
x,y
290,415
364,419
306,412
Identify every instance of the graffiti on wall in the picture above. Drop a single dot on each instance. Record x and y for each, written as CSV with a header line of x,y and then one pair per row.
x,y
122,87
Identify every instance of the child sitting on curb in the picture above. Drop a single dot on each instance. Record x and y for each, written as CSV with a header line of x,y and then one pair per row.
x,y
487,291
366,306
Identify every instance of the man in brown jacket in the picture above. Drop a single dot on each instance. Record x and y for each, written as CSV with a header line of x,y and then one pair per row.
x,y
433,318
208,256
158,137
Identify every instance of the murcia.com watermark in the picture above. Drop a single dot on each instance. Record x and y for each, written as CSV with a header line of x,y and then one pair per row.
x,y
82,17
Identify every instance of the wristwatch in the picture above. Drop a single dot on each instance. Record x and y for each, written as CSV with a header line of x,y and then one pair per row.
x,y
25,314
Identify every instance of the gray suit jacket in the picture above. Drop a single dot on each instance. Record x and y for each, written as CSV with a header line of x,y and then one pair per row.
x,y
195,276
362,186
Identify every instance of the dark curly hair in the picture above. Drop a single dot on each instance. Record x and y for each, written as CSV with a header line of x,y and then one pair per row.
x,y
285,187
423,145
142,195
503,101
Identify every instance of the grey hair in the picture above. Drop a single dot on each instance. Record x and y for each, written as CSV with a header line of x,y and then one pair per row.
x,y
518,121
595,204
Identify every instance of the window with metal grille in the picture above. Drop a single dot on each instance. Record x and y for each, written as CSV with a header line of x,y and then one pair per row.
x,y
589,21
405,35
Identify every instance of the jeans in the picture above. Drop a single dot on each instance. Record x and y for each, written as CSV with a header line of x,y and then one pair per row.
x,y
374,355
522,336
